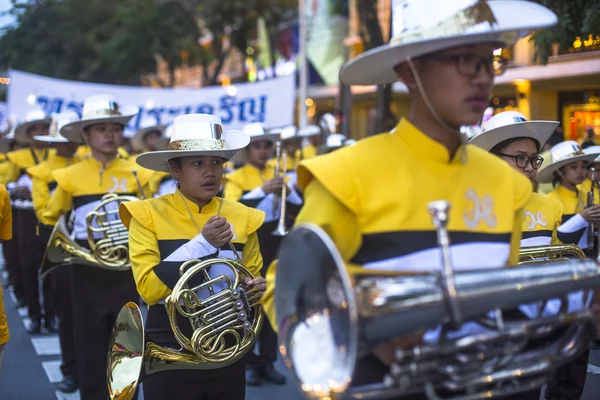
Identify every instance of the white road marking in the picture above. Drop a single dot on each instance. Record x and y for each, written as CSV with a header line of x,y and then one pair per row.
x,y
592,369
52,369
46,346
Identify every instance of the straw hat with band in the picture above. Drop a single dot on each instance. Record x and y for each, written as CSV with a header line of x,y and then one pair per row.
x,y
423,27
58,121
560,155
33,117
98,109
513,125
196,135
256,131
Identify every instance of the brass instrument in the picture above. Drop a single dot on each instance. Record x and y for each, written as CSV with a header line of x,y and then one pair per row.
x,y
339,313
552,253
592,227
107,238
225,327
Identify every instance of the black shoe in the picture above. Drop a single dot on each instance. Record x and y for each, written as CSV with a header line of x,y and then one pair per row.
x,y
35,326
253,377
68,384
271,374
50,324
20,303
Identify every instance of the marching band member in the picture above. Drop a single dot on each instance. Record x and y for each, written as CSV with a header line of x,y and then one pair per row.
x,y
43,184
255,185
149,134
311,133
567,170
190,224
5,234
449,73
586,186
97,294
511,137
36,124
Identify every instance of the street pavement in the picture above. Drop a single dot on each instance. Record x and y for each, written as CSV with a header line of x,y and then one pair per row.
x,y
31,367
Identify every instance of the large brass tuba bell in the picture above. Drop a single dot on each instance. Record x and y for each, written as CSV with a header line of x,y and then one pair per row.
x,y
226,325
107,238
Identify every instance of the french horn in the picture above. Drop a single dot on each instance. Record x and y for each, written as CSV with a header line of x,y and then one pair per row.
x,y
107,239
225,326
336,313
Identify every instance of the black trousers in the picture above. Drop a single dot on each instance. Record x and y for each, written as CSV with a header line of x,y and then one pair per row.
x,y
227,383
60,280
97,297
568,381
13,262
31,252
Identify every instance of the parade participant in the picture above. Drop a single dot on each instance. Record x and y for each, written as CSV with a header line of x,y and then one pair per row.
x,y
148,135
5,234
36,124
191,223
43,184
256,185
97,294
371,198
311,133
511,137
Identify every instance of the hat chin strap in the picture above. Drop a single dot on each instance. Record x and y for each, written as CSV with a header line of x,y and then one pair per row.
x,y
462,137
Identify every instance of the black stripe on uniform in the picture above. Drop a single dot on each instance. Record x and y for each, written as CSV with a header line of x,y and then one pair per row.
x,y
570,237
531,234
52,185
252,203
386,245
79,201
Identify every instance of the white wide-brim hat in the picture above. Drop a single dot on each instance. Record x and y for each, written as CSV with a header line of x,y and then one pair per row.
x,y
98,109
149,124
334,141
308,131
33,117
560,155
593,150
196,135
512,125
58,121
424,27
257,132
288,133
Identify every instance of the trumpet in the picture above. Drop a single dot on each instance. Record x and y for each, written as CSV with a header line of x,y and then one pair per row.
x,y
279,201
225,327
592,228
342,313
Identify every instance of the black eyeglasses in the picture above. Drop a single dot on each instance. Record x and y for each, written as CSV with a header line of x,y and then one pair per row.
x,y
523,161
469,65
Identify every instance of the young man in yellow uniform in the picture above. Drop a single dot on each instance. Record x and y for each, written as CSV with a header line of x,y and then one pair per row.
x,y
5,234
371,198
97,294
43,185
255,185
25,220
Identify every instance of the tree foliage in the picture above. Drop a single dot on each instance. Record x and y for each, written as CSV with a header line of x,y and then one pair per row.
x,y
575,18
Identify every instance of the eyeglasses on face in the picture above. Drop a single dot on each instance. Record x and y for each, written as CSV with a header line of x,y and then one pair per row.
x,y
523,160
469,65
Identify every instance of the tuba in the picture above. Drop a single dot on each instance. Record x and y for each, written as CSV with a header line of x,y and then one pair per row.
x,y
107,239
339,313
225,326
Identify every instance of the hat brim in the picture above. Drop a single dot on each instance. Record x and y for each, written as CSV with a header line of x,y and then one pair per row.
x,y
545,174
159,160
51,139
142,132
21,130
540,131
5,144
269,137
515,19
73,130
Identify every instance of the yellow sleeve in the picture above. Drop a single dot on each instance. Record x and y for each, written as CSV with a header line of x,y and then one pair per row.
x,y
557,223
144,255
9,172
515,238
5,217
58,204
233,191
324,210
251,256
40,194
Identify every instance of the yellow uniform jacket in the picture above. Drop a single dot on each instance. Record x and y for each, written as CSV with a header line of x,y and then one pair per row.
x,y
5,234
81,186
162,237
573,228
20,160
84,151
541,218
371,198
309,152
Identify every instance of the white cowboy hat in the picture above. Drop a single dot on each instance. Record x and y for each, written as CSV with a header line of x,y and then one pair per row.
x,y
564,153
33,117
512,125
309,130
98,109
256,132
334,141
288,133
196,135
58,121
593,150
423,27
148,124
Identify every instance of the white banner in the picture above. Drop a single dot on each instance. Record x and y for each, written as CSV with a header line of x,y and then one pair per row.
x,y
3,115
270,102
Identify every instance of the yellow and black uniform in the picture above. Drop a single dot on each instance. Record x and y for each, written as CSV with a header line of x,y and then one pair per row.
x,y
22,261
98,294
380,220
43,185
573,228
5,234
309,151
162,236
84,151
541,218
